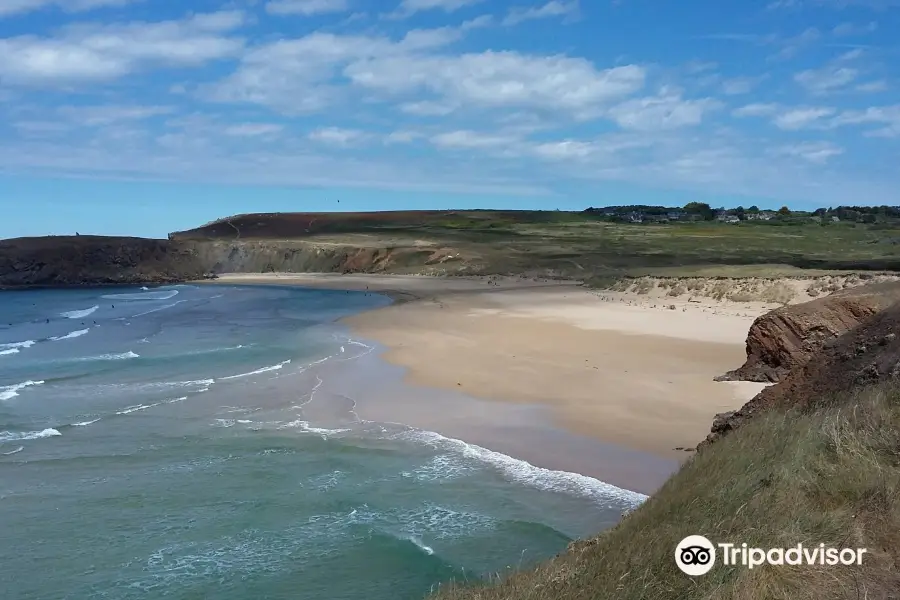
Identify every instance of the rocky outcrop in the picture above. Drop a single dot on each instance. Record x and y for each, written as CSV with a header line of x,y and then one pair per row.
x,y
784,339
95,260
864,355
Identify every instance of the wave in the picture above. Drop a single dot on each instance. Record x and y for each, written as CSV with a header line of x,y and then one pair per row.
x,y
16,451
79,314
136,408
85,423
17,345
11,391
10,351
147,312
144,296
70,335
525,473
258,371
15,436
120,356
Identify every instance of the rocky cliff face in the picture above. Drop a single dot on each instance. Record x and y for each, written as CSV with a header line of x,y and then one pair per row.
x,y
783,340
829,361
95,260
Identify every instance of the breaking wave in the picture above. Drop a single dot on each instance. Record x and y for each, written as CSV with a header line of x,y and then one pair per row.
x,y
79,314
11,391
70,335
15,436
164,295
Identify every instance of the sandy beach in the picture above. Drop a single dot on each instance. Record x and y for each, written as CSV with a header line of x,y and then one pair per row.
x,y
635,371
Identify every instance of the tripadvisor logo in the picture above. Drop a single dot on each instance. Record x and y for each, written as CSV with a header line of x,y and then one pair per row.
x,y
695,555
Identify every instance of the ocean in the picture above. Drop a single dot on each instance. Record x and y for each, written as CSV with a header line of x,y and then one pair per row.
x,y
180,442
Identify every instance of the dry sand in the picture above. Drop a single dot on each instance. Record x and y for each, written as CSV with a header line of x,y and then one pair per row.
x,y
623,368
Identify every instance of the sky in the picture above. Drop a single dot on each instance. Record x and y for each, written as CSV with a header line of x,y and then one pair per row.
x,y
142,117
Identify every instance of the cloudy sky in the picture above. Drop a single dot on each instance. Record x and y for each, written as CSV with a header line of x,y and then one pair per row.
x,y
145,116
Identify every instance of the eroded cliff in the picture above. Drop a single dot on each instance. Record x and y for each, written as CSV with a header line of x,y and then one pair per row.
x,y
95,260
818,350
784,339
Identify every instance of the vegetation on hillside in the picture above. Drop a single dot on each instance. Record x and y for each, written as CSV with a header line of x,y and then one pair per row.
x,y
569,244
829,476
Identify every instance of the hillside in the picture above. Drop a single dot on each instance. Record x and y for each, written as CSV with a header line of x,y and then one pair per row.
x,y
532,243
814,460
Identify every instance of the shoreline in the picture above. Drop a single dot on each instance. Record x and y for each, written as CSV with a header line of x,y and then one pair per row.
x,y
614,368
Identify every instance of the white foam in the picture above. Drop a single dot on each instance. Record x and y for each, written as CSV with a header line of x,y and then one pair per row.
x,y
305,426
16,345
79,314
525,473
11,391
70,335
16,451
145,296
421,545
173,401
147,312
10,351
14,436
258,371
120,356
136,408
145,288
84,423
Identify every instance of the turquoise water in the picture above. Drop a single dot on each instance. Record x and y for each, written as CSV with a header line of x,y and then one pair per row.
x,y
175,442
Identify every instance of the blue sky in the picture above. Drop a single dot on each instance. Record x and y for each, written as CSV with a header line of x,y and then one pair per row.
x,y
145,116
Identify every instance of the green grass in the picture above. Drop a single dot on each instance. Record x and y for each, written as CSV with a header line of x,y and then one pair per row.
x,y
832,477
578,245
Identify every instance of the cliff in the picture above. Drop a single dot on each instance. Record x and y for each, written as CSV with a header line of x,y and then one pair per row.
x,y
784,339
865,355
95,260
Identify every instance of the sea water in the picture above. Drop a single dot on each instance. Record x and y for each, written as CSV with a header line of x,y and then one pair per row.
x,y
161,443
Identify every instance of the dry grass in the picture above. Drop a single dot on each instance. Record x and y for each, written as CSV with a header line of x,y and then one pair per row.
x,y
830,477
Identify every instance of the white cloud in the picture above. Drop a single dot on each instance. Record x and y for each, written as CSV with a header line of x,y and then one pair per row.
x,y
740,85
851,29
564,150
827,79
472,139
501,79
428,109
337,136
813,152
886,116
253,129
306,7
96,53
98,116
799,118
755,110
410,7
301,75
878,85
552,9
668,110
13,7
